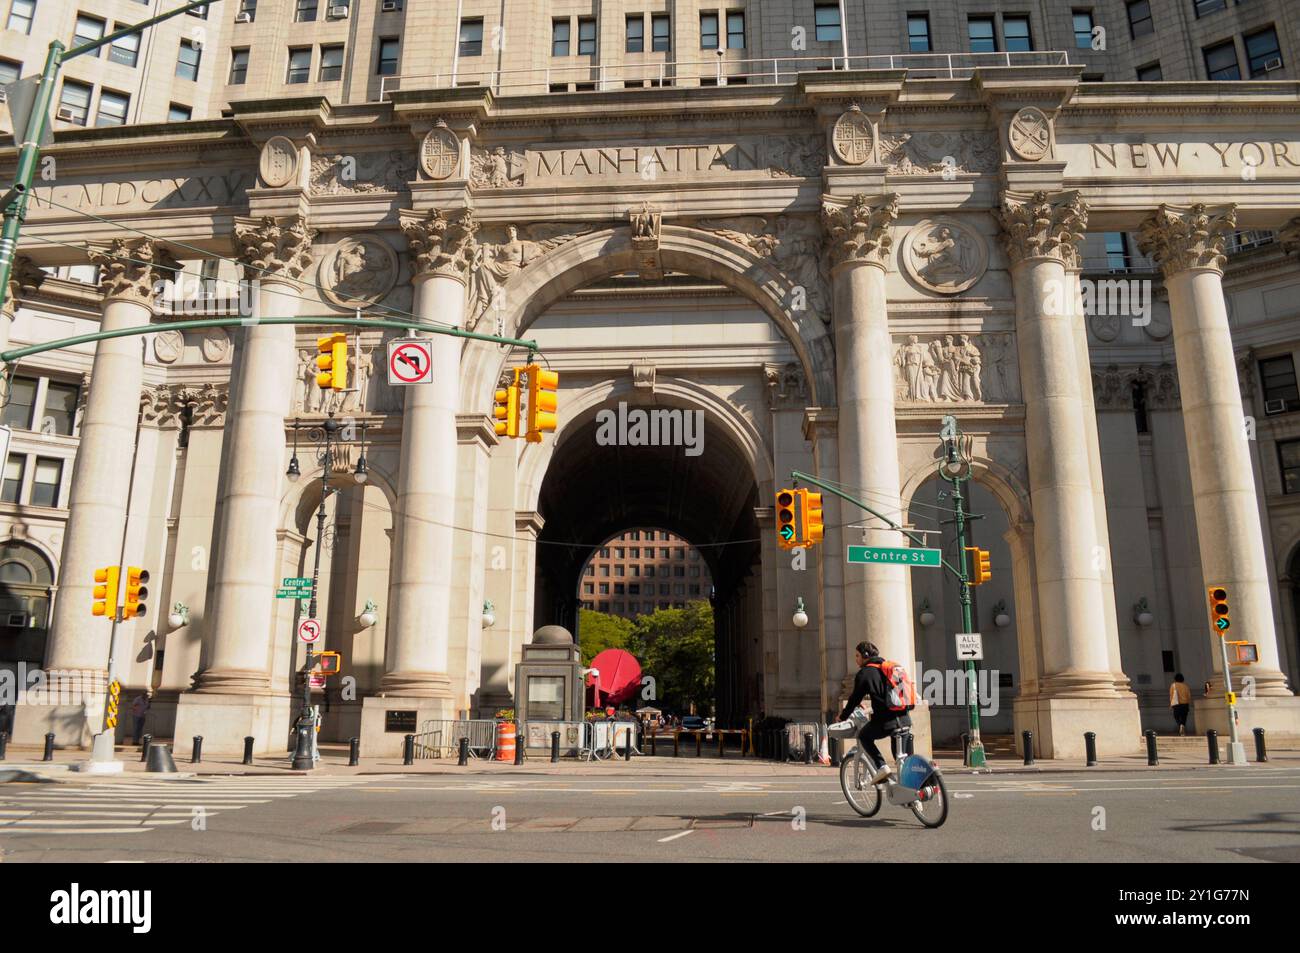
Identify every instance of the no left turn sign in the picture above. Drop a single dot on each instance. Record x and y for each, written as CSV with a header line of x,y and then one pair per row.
x,y
410,361
308,631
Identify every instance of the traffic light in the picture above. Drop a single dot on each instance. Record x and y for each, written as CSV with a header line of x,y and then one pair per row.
x,y
505,408
543,401
328,663
133,605
980,570
332,361
814,528
1220,614
105,603
787,530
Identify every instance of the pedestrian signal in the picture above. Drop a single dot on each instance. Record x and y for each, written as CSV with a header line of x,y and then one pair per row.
x,y
332,361
1220,614
105,592
328,663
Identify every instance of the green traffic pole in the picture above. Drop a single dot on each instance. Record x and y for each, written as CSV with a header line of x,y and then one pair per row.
x,y
975,751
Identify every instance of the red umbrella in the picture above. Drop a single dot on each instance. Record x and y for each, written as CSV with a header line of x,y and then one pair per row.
x,y
620,675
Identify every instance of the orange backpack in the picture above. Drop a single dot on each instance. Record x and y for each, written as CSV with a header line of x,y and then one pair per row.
x,y
902,690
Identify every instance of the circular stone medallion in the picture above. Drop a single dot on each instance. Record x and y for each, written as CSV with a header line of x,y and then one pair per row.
x,y
945,256
216,344
853,137
440,153
359,271
279,162
168,346
1030,134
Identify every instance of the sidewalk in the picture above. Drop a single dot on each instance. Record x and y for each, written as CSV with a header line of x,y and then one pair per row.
x,y
333,763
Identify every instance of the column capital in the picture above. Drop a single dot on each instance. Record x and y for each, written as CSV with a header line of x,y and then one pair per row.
x,y
1043,225
130,268
1289,236
857,232
529,523
1179,238
24,277
476,429
274,248
440,243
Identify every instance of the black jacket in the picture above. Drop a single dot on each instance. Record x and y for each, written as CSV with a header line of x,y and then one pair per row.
x,y
870,682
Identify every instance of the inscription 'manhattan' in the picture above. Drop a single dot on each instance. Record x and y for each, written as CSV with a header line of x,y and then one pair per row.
x,y
645,160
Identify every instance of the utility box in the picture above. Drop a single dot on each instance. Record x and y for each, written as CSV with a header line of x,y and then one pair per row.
x,y
549,691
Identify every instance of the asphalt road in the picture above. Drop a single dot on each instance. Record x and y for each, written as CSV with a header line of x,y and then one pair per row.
x,y
1174,816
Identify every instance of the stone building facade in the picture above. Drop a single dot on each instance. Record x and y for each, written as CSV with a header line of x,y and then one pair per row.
x,y
822,269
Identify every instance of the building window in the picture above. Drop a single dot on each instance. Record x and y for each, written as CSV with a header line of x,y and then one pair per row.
x,y
75,98
636,552
636,33
21,14
112,108
89,29
982,37
1117,256
13,479
22,401
1221,61
10,70
1151,73
1278,377
387,65
588,589
586,36
200,12
187,63
299,65
661,40
590,571
618,571
604,588
1204,7
708,31
679,554
918,32
331,64
1139,18
604,570
604,607
45,481
604,552
826,22
650,570
305,12
249,9
125,49
238,66
1262,52
679,572
471,37
1083,29
1288,453
560,37
736,30
1015,34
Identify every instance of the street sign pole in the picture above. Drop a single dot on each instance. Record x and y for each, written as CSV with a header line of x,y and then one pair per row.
x,y
975,750
1236,750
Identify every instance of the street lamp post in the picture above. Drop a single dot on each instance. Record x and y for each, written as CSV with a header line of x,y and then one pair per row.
x,y
326,438
955,469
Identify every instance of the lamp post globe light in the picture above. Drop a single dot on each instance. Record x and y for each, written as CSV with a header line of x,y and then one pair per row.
x,y
325,438
800,617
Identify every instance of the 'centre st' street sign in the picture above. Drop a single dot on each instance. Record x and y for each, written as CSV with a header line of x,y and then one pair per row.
x,y
895,555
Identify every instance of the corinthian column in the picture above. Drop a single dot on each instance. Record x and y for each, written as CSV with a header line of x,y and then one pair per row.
x,y
1188,244
130,269
275,254
23,276
859,246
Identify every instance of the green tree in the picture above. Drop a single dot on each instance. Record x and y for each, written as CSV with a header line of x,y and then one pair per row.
x,y
598,631
675,647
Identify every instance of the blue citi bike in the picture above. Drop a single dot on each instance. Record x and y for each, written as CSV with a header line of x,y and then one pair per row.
x,y
916,783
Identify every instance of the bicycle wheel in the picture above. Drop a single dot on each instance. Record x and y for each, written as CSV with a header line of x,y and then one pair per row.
x,y
933,811
862,795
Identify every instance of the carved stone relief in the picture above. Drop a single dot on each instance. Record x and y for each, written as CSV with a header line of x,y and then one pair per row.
x,y
945,255
1193,237
853,137
204,405
359,172
792,246
1113,387
216,345
496,168
794,156
168,346
926,153
860,230
440,152
646,223
499,252
358,272
1030,134
956,368
787,388
279,162
308,398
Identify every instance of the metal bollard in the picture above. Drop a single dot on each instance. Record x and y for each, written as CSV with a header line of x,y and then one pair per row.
x,y
408,749
1212,739
1152,757
807,747
354,752
654,749
49,747
196,755
520,743
555,747
834,745
699,741
145,742
627,746
4,742
965,747
1027,742
1090,748
462,752
1261,748
783,745
248,749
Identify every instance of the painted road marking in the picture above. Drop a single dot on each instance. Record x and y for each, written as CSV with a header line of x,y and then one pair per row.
x,y
664,840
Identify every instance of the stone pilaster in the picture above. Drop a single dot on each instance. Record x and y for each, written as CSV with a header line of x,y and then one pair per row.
x,y
1189,246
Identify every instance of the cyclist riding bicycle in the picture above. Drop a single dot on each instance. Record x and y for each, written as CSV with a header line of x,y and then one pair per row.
x,y
871,683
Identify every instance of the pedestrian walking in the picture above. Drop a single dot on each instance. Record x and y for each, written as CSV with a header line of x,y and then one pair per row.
x,y
1180,700
139,712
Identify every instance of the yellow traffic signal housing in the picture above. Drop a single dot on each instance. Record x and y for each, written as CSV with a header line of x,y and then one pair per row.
x,y
105,603
133,606
980,569
505,408
332,361
814,528
328,663
787,528
1220,614
543,401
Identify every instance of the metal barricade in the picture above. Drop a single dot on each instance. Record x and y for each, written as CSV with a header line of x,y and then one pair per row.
x,y
441,738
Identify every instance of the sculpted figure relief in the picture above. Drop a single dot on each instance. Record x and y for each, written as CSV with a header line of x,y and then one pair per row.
x,y
945,255
359,272
951,368
497,168
793,247
492,264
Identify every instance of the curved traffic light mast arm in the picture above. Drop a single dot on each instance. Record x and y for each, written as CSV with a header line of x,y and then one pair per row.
x,y
807,478
9,357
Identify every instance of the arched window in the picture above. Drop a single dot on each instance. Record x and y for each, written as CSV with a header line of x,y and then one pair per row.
x,y
25,580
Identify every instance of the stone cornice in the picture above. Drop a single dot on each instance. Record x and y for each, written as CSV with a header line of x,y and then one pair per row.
x,y
529,522
1043,225
476,429
1194,237
820,421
